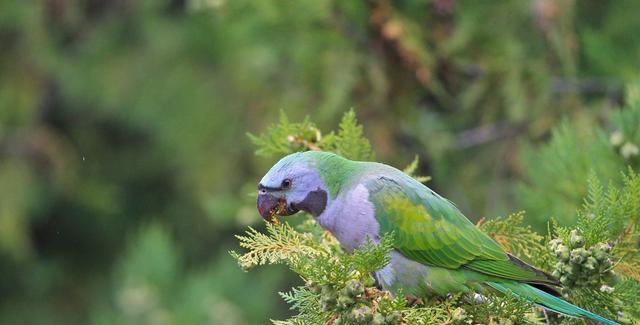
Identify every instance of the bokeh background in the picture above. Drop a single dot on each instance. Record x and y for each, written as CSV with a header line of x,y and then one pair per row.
x,y
125,169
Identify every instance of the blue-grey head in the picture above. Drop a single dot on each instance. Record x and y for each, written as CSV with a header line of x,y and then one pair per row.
x,y
294,183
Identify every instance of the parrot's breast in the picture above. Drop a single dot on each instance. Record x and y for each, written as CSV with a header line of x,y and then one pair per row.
x,y
351,218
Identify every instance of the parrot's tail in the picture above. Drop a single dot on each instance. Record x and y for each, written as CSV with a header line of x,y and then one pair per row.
x,y
546,300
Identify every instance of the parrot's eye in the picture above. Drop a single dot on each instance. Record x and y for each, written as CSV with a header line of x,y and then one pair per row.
x,y
286,183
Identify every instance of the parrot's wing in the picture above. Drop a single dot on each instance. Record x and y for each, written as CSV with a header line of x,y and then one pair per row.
x,y
431,230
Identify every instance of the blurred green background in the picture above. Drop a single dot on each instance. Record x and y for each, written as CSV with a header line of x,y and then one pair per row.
x,y
125,168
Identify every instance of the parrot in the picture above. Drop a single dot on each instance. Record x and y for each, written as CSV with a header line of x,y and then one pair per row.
x,y
436,251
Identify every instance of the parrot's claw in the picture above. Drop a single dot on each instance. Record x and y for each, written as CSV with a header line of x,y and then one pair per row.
x,y
414,301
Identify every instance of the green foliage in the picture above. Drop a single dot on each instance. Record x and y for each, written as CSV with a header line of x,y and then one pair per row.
x,y
507,309
517,238
597,261
144,290
350,141
282,244
286,137
568,161
606,213
412,168
577,151
593,220
626,136
628,290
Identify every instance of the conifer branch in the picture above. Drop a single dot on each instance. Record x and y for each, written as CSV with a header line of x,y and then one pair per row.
x,y
281,244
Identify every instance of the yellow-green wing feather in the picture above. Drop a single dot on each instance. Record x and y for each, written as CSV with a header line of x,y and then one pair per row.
x,y
431,230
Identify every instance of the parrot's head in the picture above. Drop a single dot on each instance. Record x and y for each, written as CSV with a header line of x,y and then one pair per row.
x,y
291,185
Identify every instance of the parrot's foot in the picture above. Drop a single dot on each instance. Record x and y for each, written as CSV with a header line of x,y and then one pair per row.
x,y
475,298
414,301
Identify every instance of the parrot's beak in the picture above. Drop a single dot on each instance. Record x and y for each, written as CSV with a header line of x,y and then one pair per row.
x,y
269,206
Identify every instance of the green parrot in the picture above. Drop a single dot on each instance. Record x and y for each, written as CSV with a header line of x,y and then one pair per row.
x,y
437,250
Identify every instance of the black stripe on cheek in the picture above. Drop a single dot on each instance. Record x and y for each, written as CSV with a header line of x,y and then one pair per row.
x,y
262,187
315,202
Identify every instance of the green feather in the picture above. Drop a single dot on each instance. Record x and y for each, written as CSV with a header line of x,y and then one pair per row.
x,y
431,230
333,169
546,300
